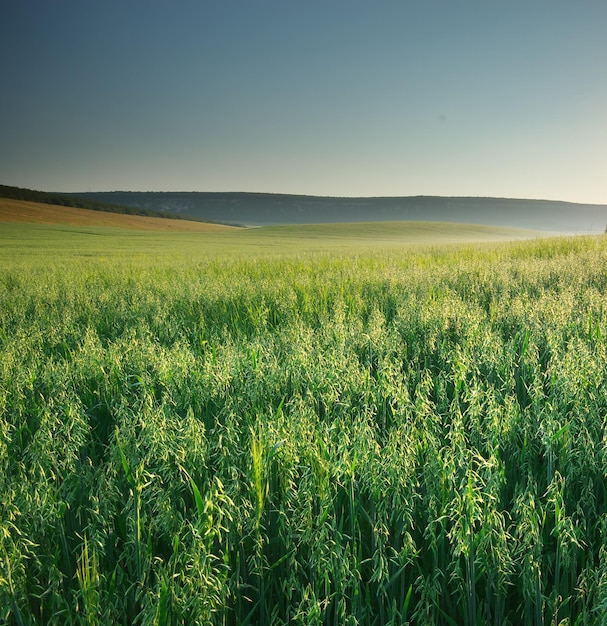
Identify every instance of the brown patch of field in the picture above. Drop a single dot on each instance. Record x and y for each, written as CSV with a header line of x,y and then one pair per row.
x,y
37,213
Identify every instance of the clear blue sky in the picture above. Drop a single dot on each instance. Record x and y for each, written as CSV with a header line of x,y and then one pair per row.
x,y
327,97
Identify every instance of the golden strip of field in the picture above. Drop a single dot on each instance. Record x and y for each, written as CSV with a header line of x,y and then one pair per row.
x,y
37,213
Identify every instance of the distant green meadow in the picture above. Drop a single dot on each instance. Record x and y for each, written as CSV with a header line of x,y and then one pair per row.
x,y
344,424
27,241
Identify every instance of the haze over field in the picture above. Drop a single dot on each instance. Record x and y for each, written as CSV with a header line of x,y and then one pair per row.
x,y
343,98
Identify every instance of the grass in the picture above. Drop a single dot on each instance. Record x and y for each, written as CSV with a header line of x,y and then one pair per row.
x,y
376,233
283,426
69,241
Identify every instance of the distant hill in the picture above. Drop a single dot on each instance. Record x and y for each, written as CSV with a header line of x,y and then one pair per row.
x,y
261,209
78,202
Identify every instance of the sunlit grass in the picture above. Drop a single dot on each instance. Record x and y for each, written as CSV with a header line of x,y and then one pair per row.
x,y
290,427
20,211
35,240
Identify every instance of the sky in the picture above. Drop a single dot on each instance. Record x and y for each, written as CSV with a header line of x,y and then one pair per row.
x,y
502,98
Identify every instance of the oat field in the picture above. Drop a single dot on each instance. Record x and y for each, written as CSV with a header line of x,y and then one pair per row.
x,y
219,432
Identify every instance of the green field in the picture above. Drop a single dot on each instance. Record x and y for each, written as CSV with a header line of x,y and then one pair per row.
x,y
354,424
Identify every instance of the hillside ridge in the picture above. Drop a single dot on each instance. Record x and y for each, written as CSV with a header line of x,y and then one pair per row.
x,y
77,202
265,209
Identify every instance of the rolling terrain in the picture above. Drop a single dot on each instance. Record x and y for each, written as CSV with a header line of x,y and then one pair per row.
x,y
44,231
40,213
